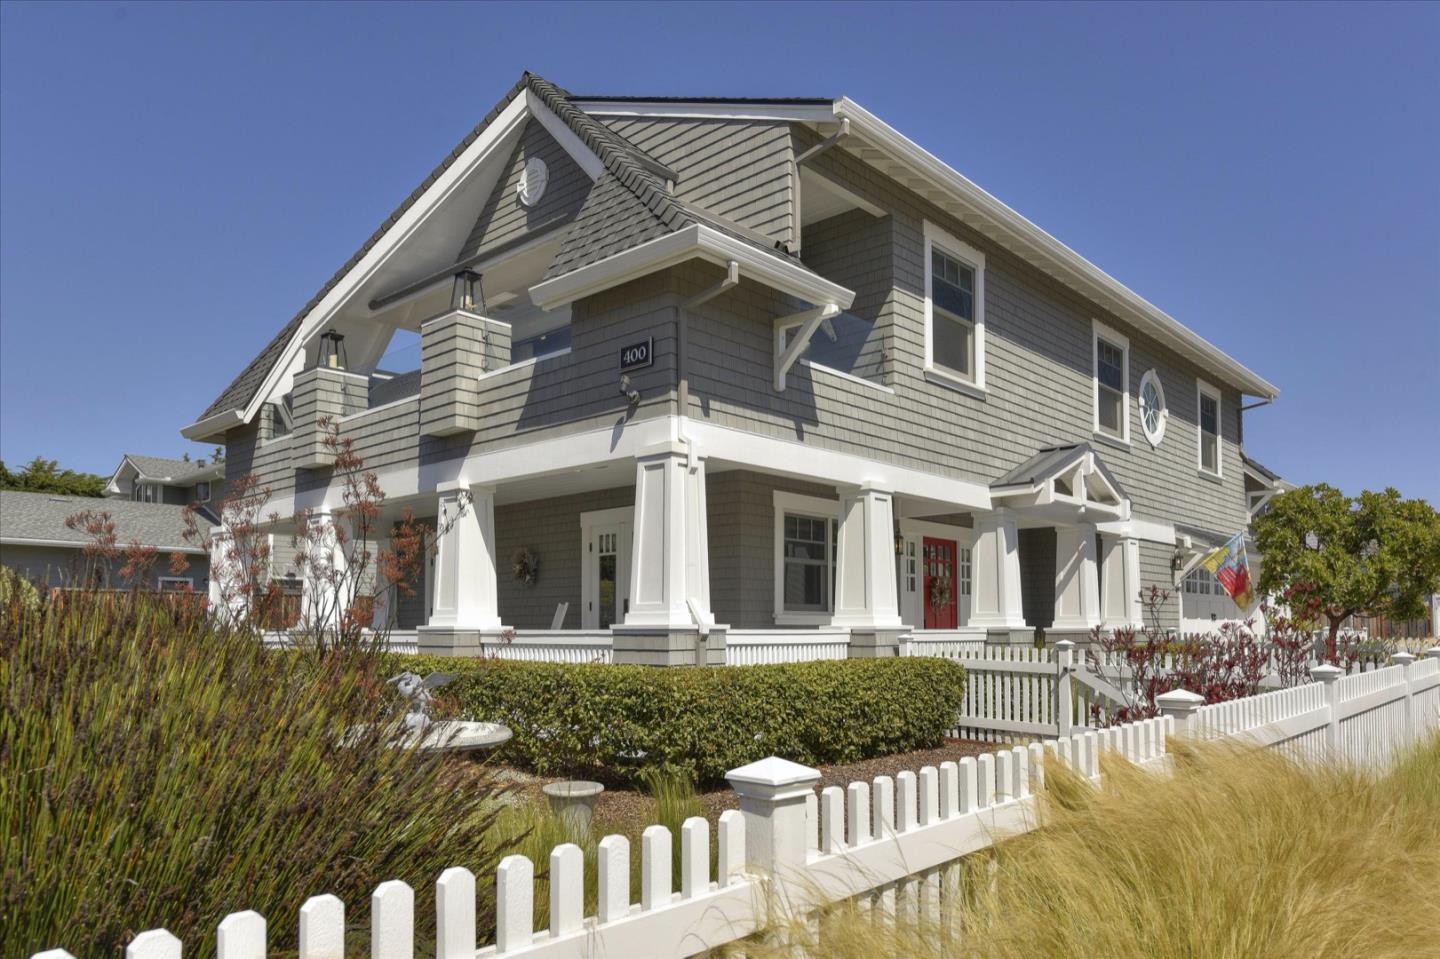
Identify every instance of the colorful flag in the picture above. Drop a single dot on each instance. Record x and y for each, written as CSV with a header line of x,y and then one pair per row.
x,y
1232,568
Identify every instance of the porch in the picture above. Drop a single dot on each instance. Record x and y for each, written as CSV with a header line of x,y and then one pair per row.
x,y
674,558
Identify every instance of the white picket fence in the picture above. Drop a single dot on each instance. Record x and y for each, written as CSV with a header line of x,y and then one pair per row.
x,y
1362,718
893,844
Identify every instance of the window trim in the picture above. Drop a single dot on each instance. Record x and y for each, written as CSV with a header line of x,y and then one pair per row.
x,y
817,508
1205,389
960,250
1152,375
206,497
162,580
1100,331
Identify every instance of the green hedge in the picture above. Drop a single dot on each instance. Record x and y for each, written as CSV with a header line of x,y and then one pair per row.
x,y
582,718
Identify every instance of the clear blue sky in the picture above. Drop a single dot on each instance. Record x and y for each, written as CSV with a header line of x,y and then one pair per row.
x,y
176,181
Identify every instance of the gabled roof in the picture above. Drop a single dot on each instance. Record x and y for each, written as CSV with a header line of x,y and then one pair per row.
x,y
1050,462
629,205
172,471
38,519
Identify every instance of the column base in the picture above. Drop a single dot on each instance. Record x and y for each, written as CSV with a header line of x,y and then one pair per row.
x,y
456,641
668,645
875,643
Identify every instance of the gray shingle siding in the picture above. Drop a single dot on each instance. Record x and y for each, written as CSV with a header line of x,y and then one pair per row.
x,y
504,217
741,170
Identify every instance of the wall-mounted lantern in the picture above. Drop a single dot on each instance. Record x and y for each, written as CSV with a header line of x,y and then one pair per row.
x,y
468,293
332,351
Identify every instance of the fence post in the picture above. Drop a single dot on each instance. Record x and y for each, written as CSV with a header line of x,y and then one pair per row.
x,y
1064,705
1181,704
772,795
1404,660
1330,675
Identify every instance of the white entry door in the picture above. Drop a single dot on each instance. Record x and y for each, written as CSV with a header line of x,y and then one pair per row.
x,y
605,567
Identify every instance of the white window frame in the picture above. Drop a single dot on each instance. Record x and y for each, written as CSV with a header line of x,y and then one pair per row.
x,y
816,508
206,497
187,580
1205,389
1099,331
1153,376
973,258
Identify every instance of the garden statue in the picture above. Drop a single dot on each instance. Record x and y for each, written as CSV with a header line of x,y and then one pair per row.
x,y
417,692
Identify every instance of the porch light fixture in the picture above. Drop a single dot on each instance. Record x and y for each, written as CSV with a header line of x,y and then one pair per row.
x,y
468,293
332,351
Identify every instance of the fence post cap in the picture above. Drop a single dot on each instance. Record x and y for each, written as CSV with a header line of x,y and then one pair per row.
x,y
1180,701
1326,673
1433,652
773,778
1404,659
1065,644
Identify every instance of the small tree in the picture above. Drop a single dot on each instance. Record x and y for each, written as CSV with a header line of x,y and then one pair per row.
x,y
1337,556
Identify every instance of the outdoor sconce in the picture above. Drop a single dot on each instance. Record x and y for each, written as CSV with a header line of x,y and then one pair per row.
x,y
468,293
332,351
1177,561
899,545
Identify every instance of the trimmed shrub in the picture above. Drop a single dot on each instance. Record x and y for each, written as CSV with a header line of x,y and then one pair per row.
x,y
700,722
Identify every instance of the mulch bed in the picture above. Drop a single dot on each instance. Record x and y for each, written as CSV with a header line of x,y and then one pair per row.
x,y
628,809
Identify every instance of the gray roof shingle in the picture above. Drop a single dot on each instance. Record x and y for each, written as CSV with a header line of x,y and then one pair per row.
x,y
174,472
41,517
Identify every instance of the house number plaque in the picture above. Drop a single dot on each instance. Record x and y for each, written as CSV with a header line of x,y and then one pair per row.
x,y
637,355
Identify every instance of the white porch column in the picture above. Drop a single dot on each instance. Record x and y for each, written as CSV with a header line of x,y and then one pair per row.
x,y
865,560
384,611
1119,581
670,557
325,590
1077,589
995,572
465,603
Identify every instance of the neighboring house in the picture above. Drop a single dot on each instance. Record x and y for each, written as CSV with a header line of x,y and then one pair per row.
x,y
35,541
155,479
747,365
146,499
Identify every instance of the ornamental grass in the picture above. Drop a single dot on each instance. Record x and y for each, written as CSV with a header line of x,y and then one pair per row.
x,y
156,771
1239,854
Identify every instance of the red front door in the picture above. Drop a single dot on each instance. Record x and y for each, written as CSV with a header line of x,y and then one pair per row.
x,y
939,597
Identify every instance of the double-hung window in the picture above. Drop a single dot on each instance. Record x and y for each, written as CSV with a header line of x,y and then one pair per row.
x,y
1208,418
1112,383
202,491
954,309
807,531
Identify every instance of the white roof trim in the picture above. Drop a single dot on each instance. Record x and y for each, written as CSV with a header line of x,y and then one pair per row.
x,y
700,241
71,544
787,112
1035,244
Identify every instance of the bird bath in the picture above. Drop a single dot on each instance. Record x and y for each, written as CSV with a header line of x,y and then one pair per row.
x,y
573,801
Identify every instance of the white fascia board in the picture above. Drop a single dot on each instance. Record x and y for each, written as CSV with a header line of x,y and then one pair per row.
x,y
431,200
583,156
1084,275
786,112
214,427
686,243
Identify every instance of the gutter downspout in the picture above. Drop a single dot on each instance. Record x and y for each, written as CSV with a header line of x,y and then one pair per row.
x,y
810,154
682,391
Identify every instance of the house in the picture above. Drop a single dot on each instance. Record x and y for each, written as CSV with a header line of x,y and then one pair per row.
x,y
695,367
145,499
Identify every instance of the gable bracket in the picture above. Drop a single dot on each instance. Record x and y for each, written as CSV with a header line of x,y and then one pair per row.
x,y
808,322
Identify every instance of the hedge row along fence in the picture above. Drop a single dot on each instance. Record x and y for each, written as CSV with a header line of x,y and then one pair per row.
x,y
582,718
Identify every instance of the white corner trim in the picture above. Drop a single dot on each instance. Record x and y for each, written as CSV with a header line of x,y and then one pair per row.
x,y
975,259
557,128
1203,388
1098,331
687,243
1070,267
